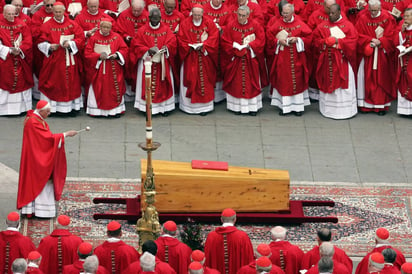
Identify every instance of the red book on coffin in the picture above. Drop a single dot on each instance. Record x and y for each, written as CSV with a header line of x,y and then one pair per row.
x,y
213,165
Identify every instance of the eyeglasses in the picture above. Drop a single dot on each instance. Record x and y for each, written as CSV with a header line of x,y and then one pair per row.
x,y
49,5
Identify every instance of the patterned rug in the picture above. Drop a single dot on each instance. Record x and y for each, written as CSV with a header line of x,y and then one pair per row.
x,y
360,210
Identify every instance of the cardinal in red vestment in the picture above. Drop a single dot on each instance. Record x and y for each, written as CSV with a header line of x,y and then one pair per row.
x,y
171,250
60,41
198,40
59,248
114,254
288,40
243,42
284,254
227,249
15,64
13,244
156,41
43,164
335,42
376,50
105,56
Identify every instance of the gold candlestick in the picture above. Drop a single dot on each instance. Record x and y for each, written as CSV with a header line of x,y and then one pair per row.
x,y
148,226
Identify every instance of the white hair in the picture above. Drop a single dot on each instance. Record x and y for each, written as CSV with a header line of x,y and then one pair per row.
x,y
19,266
91,264
326,249
278,233
148,262
374,3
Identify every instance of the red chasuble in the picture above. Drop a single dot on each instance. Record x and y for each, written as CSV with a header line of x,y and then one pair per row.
x,y
332,68
362,267
227,249
108,80
287,256
174,252
13,245
117,256
312,257
242,72
41,159
59,81
146,38
404,73
161,268
16,72
379,88
289,72
57,250
199,69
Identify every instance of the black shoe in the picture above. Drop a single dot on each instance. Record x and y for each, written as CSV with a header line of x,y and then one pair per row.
x,y
281,113
298,113
253,113
165,114
203,114
381,113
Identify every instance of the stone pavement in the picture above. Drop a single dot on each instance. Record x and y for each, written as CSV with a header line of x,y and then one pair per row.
x,y
365,149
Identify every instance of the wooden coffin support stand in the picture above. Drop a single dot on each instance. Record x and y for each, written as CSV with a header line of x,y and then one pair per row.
x,y
201,190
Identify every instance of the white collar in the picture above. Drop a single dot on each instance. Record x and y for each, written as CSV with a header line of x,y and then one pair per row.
x,y
113,240
215,8
13,228
154,27
197,24
227,224
31,264
377,15
62,21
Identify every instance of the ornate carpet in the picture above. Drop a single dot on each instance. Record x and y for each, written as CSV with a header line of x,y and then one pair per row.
x,y
360,210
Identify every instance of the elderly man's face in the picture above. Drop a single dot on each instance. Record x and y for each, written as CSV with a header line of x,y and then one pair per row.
x,y
374,10
169,6
241,2
242,16
49,5
287,14
45,113
137,10
334,14
197,14
105,28
93,6
155,18
9,13
58,12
